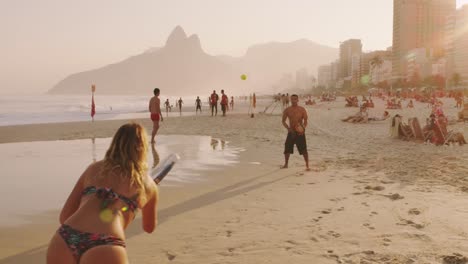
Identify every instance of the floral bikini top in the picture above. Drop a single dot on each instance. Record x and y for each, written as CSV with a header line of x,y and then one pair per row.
x,y
108,196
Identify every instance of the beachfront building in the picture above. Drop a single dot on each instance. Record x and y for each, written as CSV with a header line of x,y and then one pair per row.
x,y
418,65
368,67
324,76
382,73
350,54
303,81
335,73
460,47
450,45
419,24
439,67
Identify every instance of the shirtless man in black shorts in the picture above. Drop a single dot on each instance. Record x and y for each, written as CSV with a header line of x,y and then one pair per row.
x,y
297,116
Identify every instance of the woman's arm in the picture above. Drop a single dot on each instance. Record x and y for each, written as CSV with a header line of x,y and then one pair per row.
x,y
149,211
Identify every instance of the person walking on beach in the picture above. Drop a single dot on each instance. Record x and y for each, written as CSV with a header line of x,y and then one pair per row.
x,y
155,110
214,103
168,107
198,105
297,116
231,104
224,102
180,102
104,201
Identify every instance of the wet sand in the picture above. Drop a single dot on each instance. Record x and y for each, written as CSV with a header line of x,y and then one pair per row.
x,y
369,198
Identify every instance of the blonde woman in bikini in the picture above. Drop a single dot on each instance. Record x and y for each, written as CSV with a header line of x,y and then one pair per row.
x,y
104,201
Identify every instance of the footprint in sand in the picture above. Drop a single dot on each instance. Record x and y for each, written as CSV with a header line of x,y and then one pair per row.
x,y
326,211
170,256
455,259
387,242
375,188
387,182
228,233
340,209
414,211
369,226
334,234
314,239
411,223
395,196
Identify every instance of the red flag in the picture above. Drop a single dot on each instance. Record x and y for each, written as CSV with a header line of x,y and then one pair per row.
x,y
93,108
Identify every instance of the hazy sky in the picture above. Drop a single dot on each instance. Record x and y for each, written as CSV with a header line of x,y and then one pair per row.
x,y
43,41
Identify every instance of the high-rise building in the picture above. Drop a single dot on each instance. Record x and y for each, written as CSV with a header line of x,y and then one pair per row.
x,y
418,24
460,47
350,54
302,79
348,50
449,45
324,75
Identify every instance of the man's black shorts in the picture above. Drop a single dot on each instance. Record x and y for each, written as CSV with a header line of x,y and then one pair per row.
x,y
300,142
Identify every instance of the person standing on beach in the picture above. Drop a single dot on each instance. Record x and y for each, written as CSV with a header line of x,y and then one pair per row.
x,y
214,103
198,105
231,104
168,107
297,116
155,110
104,202
224,102
180,102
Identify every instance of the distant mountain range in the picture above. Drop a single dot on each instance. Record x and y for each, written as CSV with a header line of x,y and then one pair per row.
x,y
181,67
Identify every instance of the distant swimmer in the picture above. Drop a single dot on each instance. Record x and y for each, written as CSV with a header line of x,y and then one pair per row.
x,y
198,105
155,110
297,116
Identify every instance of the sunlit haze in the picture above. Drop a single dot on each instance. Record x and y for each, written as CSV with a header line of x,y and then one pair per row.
x,y
45,41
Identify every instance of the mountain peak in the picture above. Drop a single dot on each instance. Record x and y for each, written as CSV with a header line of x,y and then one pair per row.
x,y
177,35
194,42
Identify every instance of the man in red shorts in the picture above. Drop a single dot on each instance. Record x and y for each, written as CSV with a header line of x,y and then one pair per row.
x,y
297,116
155,110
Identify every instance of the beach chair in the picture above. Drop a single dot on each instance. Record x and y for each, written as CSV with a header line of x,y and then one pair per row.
x,y
405,131
448,137
416,128
464,114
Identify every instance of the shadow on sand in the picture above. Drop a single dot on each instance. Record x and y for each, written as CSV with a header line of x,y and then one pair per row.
x,y
37,255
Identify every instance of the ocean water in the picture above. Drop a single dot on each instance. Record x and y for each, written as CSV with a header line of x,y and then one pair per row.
x,y
38,109
38,176
17,110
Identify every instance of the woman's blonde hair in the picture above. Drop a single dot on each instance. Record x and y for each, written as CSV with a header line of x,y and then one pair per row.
x,y
127,154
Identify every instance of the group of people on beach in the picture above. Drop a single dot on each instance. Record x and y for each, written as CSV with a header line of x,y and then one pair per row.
x,y
110,192
213,100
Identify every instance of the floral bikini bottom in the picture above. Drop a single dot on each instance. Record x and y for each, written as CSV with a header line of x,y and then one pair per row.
x,y
79,242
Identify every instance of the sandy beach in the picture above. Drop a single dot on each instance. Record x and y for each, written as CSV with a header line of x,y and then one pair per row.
x,y
369,198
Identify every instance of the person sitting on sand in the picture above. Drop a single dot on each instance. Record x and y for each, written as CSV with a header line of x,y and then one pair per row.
x,y
297,116
359,117
104,201
410,104
385,116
